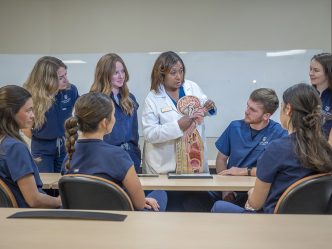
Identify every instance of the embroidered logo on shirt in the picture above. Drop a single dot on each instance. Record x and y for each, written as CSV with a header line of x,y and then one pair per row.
x,y
327,108
264,141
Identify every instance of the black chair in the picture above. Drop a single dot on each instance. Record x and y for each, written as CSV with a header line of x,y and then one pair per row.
x,y
79,191
310,195
7,199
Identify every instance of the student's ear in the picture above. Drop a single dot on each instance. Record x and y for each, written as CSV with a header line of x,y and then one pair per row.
x,y
103,124
288,110
266,116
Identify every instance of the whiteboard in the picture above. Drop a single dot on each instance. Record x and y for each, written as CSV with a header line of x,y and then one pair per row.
x,y
226,77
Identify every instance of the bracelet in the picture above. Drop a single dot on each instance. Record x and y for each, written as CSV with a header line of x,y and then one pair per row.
x,y
248,207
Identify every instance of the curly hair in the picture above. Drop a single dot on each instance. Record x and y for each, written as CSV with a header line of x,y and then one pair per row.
x,y
311,146
43,83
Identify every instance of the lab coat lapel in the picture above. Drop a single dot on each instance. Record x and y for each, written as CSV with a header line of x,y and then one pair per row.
x,y
168,100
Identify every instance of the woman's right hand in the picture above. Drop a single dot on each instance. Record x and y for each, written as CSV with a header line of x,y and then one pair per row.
x,y
185,122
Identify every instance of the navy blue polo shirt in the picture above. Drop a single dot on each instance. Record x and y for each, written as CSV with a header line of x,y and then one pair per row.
x,y
15,163
280,166
56,116
237,143
98,158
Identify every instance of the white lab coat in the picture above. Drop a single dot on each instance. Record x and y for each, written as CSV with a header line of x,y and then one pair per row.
x,y
161,129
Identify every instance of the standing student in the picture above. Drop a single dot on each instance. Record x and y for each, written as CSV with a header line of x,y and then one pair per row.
x,y
17,168
286,160
94,118
111,78
321,78
163,125
53,98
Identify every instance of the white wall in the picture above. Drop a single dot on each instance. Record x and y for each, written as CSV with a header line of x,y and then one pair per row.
x,y
124,26
92,26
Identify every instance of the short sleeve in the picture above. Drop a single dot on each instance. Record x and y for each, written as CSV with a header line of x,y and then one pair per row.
x,y
267,164
19,161
121,164
223,142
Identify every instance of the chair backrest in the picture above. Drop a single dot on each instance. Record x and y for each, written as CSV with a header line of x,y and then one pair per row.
x,y
7,199
91,192
310,195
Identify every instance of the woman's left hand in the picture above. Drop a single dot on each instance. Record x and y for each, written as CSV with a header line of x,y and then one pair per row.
x,y
208,105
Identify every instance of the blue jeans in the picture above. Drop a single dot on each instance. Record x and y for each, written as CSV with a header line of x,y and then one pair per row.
x,y
227,207
161,197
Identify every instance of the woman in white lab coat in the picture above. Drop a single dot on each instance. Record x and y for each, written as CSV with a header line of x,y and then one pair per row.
x,y
162,123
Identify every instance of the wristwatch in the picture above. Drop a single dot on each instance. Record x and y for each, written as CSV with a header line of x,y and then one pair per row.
x,y
249,171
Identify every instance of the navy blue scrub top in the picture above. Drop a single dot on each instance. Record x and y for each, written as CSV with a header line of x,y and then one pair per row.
x,y
243,150
58,113
326,98
280,166
125,129
16,162
98,158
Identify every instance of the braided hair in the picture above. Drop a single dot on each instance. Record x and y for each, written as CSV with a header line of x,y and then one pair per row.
x,y
90,109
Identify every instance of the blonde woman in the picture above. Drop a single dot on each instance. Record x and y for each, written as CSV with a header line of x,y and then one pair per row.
x,y
111,77
54,98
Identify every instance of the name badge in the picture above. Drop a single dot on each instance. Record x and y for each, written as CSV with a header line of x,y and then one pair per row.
x,y
166,109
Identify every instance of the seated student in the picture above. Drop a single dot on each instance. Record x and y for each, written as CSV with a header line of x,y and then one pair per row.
x,y
94,118
17,168
303,152
243,141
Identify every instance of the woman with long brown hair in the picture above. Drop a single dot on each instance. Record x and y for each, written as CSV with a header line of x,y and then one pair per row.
x,y
89,154
321,78
111,78
17,168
